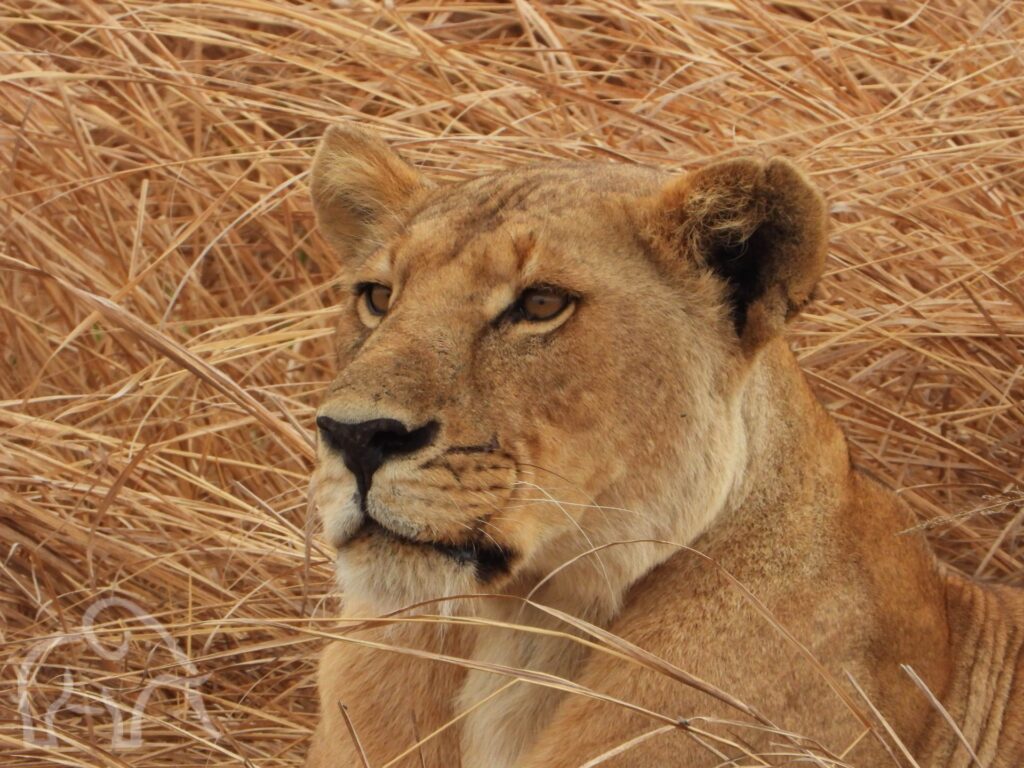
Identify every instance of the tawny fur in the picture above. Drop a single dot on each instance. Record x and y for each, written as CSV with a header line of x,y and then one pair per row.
x,y
664,405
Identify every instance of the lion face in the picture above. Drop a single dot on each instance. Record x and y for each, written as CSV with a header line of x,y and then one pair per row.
x,y
524,374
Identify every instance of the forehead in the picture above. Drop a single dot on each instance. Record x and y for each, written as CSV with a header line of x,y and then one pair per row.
x,y
505,224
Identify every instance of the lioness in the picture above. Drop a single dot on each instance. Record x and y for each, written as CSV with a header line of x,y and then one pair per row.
x,y
534,365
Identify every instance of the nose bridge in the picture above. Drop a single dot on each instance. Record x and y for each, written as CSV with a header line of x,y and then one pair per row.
x,y
401,374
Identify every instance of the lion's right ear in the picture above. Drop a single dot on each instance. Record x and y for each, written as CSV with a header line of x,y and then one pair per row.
x,y
360,188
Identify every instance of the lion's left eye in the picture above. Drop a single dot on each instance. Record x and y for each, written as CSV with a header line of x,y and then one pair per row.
x,y
542,303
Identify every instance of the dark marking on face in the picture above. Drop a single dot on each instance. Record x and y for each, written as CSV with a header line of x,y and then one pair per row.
x,y
489,560
492,563
489,447
523,246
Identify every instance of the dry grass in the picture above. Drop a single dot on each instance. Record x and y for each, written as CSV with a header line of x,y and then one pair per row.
x,y
165,306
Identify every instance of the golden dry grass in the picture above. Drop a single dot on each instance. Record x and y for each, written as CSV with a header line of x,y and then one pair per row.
x,y
165,305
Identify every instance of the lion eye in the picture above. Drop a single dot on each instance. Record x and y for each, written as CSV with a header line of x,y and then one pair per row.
x,y
377,298
538,304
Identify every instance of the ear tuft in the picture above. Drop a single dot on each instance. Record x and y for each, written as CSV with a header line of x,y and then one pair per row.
x,y
360,187
761,227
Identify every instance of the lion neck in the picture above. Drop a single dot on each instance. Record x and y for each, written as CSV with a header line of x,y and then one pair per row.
x,y
796,454
798,496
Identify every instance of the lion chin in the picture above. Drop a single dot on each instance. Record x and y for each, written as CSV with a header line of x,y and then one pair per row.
x,y
565,427
392,571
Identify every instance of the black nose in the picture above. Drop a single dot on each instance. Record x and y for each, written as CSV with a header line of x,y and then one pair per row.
x,y
365,445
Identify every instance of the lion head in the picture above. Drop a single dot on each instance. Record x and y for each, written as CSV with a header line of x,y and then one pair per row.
x,y
536,363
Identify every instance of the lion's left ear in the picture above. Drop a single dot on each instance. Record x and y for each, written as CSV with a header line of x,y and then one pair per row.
x,y
761,228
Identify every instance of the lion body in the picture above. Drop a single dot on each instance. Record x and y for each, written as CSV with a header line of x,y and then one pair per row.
x,y
697,407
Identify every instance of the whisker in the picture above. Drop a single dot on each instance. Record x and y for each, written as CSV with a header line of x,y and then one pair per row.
x,y
522,501
603,569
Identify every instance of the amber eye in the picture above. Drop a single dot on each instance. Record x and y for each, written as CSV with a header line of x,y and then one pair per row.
x,y
377,298
544,303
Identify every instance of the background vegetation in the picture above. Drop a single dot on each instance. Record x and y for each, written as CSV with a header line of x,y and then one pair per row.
x,y
166,307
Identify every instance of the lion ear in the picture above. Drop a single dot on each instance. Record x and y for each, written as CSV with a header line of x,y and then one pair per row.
x,y
360,188
761,228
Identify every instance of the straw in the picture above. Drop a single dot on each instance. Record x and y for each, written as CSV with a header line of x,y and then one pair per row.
x,y
166,304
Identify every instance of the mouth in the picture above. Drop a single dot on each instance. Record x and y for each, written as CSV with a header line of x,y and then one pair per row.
x,y
489,560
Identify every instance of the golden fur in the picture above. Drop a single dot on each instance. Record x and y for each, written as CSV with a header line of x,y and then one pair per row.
x,y
663,404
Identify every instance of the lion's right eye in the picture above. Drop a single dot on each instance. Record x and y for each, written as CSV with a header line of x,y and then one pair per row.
x,y
377,298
